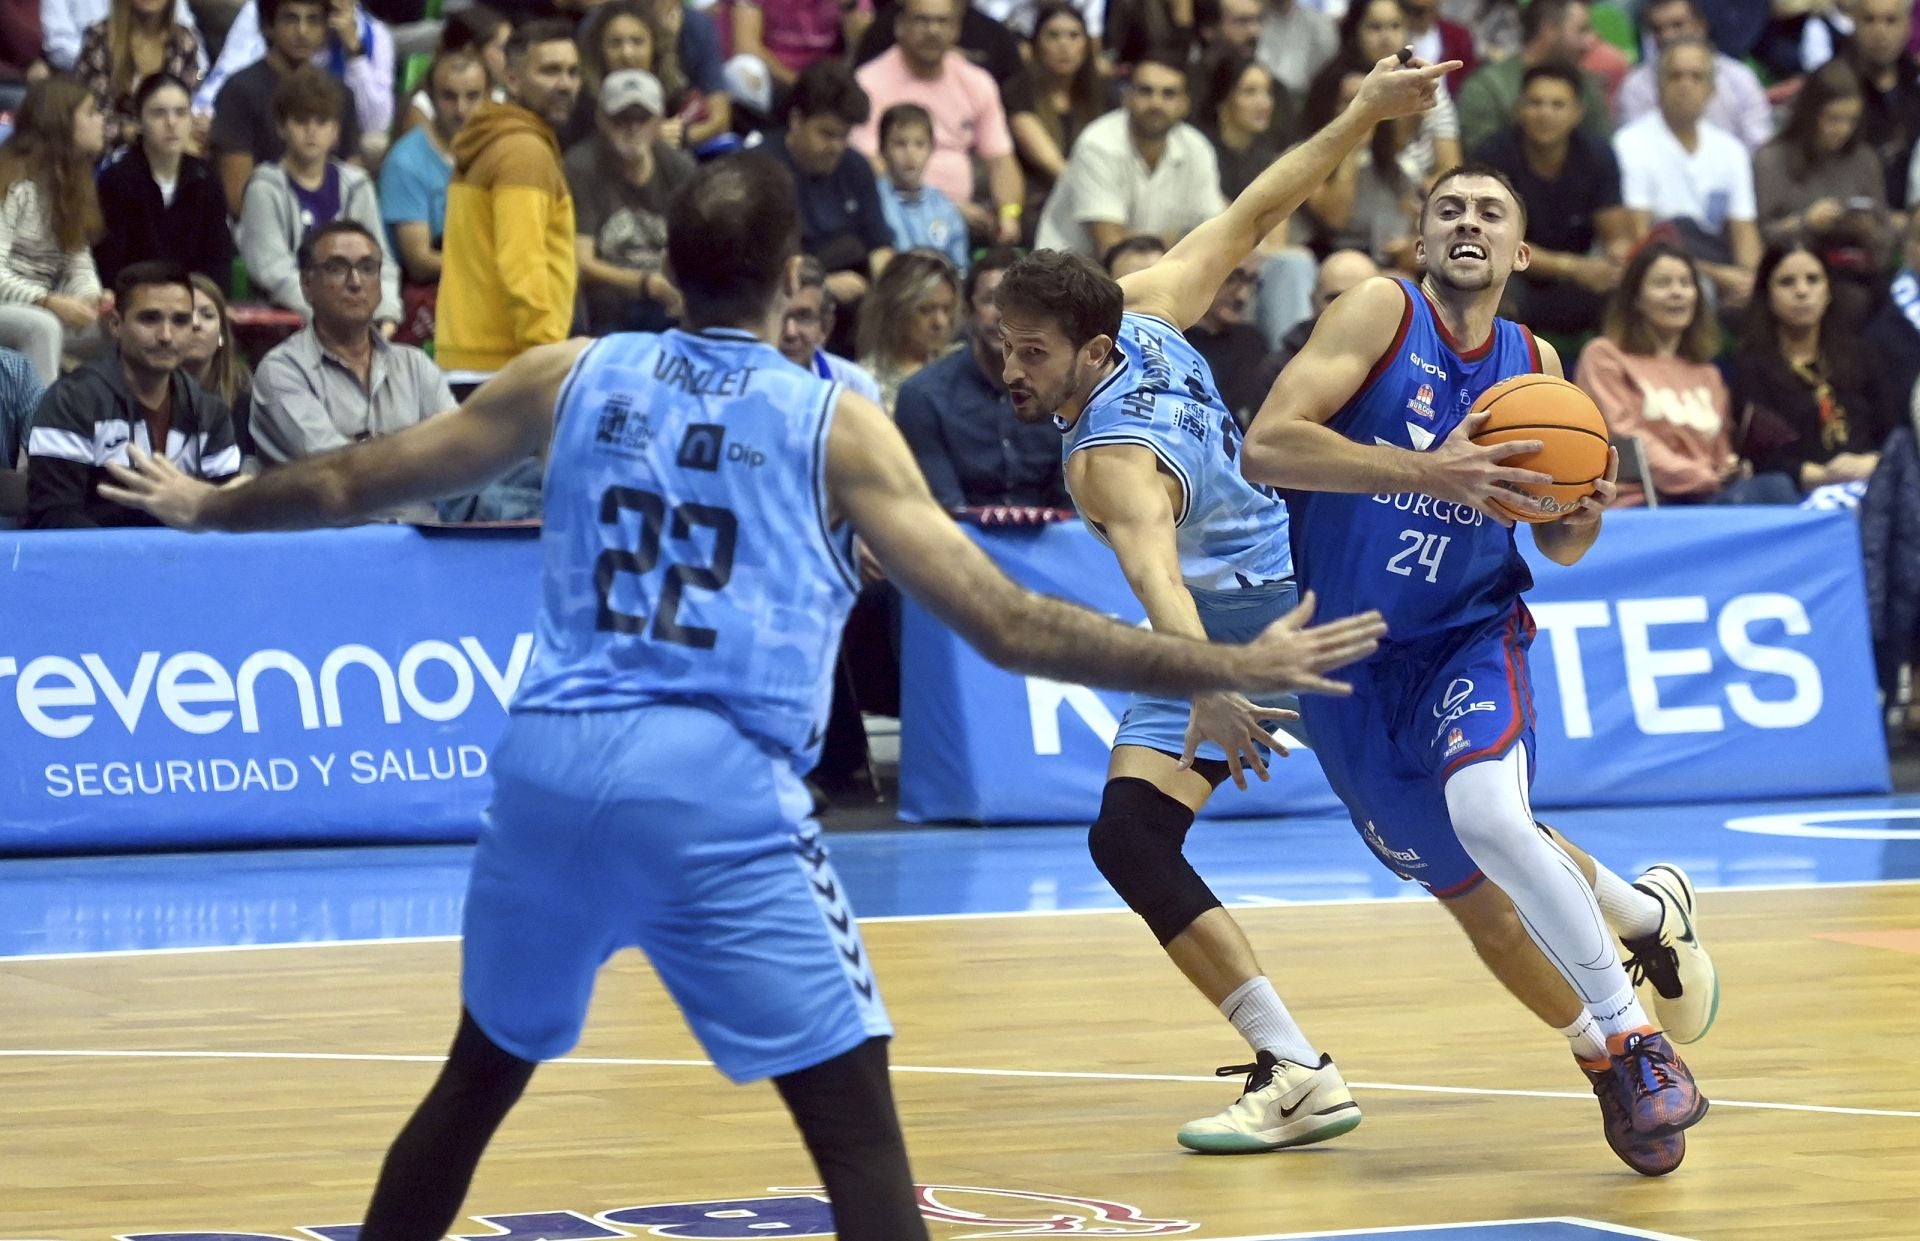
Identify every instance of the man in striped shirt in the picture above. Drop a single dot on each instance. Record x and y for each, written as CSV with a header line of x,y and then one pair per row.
x,y
136,394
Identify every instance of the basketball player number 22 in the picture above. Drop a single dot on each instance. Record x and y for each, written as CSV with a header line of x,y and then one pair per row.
x,y
1426,549
652,511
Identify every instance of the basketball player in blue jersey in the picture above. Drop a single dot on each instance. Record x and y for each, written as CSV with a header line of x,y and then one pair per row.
x,y
1369,433
702,494
1151,460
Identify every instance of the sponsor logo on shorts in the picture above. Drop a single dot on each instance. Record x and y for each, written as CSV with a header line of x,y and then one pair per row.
x,y
1405,857
977,1214
1456,742
1454,705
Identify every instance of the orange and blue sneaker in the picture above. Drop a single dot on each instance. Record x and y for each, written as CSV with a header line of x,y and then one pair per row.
x,y
1656,1089
1647,1156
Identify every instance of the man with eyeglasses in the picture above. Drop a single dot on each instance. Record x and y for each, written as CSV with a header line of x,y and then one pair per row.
x,y
338,381
808,325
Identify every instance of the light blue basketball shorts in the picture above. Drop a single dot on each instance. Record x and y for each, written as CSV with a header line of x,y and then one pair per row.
x,y
1227,616
664,829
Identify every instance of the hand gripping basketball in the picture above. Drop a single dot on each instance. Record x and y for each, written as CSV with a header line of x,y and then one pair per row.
x,y
1569,437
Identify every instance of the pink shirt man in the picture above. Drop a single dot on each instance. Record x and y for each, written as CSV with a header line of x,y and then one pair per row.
x,y
967,116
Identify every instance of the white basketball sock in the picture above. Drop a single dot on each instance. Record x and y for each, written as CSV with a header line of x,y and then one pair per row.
x,y
1584,1035
1631,912
1620,1014
1255,1010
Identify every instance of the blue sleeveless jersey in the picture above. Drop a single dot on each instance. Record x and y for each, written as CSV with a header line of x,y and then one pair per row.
x,y
687,556
1232,534
1428,565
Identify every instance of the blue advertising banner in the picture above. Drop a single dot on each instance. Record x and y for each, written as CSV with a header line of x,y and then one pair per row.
x,y
1693,654
163,690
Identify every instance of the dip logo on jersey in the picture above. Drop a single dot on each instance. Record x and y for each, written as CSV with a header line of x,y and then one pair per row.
x,y
1454,705
1422,402
781,1212
700,449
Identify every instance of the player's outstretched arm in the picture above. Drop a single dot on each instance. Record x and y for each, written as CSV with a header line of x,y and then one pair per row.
x,y
1181,286
874,483
1290,444
506,420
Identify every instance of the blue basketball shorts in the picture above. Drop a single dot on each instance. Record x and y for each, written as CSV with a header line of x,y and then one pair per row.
x,y
1418,714
1227,616
663,829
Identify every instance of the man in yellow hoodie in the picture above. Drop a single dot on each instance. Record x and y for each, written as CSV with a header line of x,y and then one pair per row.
x,y
509,271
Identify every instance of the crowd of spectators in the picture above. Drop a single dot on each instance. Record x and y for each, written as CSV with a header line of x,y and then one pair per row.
x,y
400,201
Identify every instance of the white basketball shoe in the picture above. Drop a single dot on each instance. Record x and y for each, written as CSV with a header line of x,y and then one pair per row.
x,y
1686,987
1284,1104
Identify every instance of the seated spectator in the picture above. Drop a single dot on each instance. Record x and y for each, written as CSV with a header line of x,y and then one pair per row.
x,y
1132,254
1296,42
212,358
20,393
1890,80
1819,177
1569,183
956,416
1803,401
1061,92
1141,168
1434,39
1338,272
907,321
64,24
245,131
621,34
1225,30
1739,104
1237,116
1675,167
1494,25
623,179
806,327
510,268
1023,16
775,41
1370,203
50,297
984,42
1552,30
695,77
157,201
923,68
415,174
918,215
1232,346
476,31
349,46
1653,377
138,39
306,188
841,220
1373,30
337,381
133,396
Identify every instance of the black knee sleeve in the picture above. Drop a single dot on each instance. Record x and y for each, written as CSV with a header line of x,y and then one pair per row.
x,y
1136,842
844,1110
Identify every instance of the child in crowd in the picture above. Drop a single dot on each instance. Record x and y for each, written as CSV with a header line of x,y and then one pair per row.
x,y
919,216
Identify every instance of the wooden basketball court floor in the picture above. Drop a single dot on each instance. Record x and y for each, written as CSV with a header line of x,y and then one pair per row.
x,y
223,1045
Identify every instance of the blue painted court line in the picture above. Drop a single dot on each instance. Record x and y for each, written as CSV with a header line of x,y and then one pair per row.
x,y
182,901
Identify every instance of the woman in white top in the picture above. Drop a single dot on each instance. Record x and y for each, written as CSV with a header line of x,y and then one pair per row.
x,y
50,297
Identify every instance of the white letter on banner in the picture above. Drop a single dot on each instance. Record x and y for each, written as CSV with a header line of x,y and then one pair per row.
x,y
34,701
127,703
502,684
1808,692
1562,622
275,661
174,697
439,712
1044,699
368,658
1645,666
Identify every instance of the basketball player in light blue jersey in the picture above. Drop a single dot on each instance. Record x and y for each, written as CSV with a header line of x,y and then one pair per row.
x,y
1370,431
1152,463
702,496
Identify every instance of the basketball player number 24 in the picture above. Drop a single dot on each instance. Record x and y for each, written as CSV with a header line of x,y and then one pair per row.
x,y
654,521
1426,549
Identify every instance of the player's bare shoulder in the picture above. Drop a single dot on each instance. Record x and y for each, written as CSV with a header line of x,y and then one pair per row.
x,y
1366,318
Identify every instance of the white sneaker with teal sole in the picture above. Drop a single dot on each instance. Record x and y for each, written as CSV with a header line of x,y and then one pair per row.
x,y
1686,987
1284,1104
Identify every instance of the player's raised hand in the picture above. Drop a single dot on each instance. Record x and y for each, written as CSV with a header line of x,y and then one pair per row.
x,y
1235,724
1401,85
1292,654
159,487
1474,474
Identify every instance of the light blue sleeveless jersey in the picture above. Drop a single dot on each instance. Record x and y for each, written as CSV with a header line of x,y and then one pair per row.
x,y
1428,565
1232,534
687,556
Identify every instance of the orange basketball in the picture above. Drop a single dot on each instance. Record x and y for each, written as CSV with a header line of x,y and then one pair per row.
x,y
1565,420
